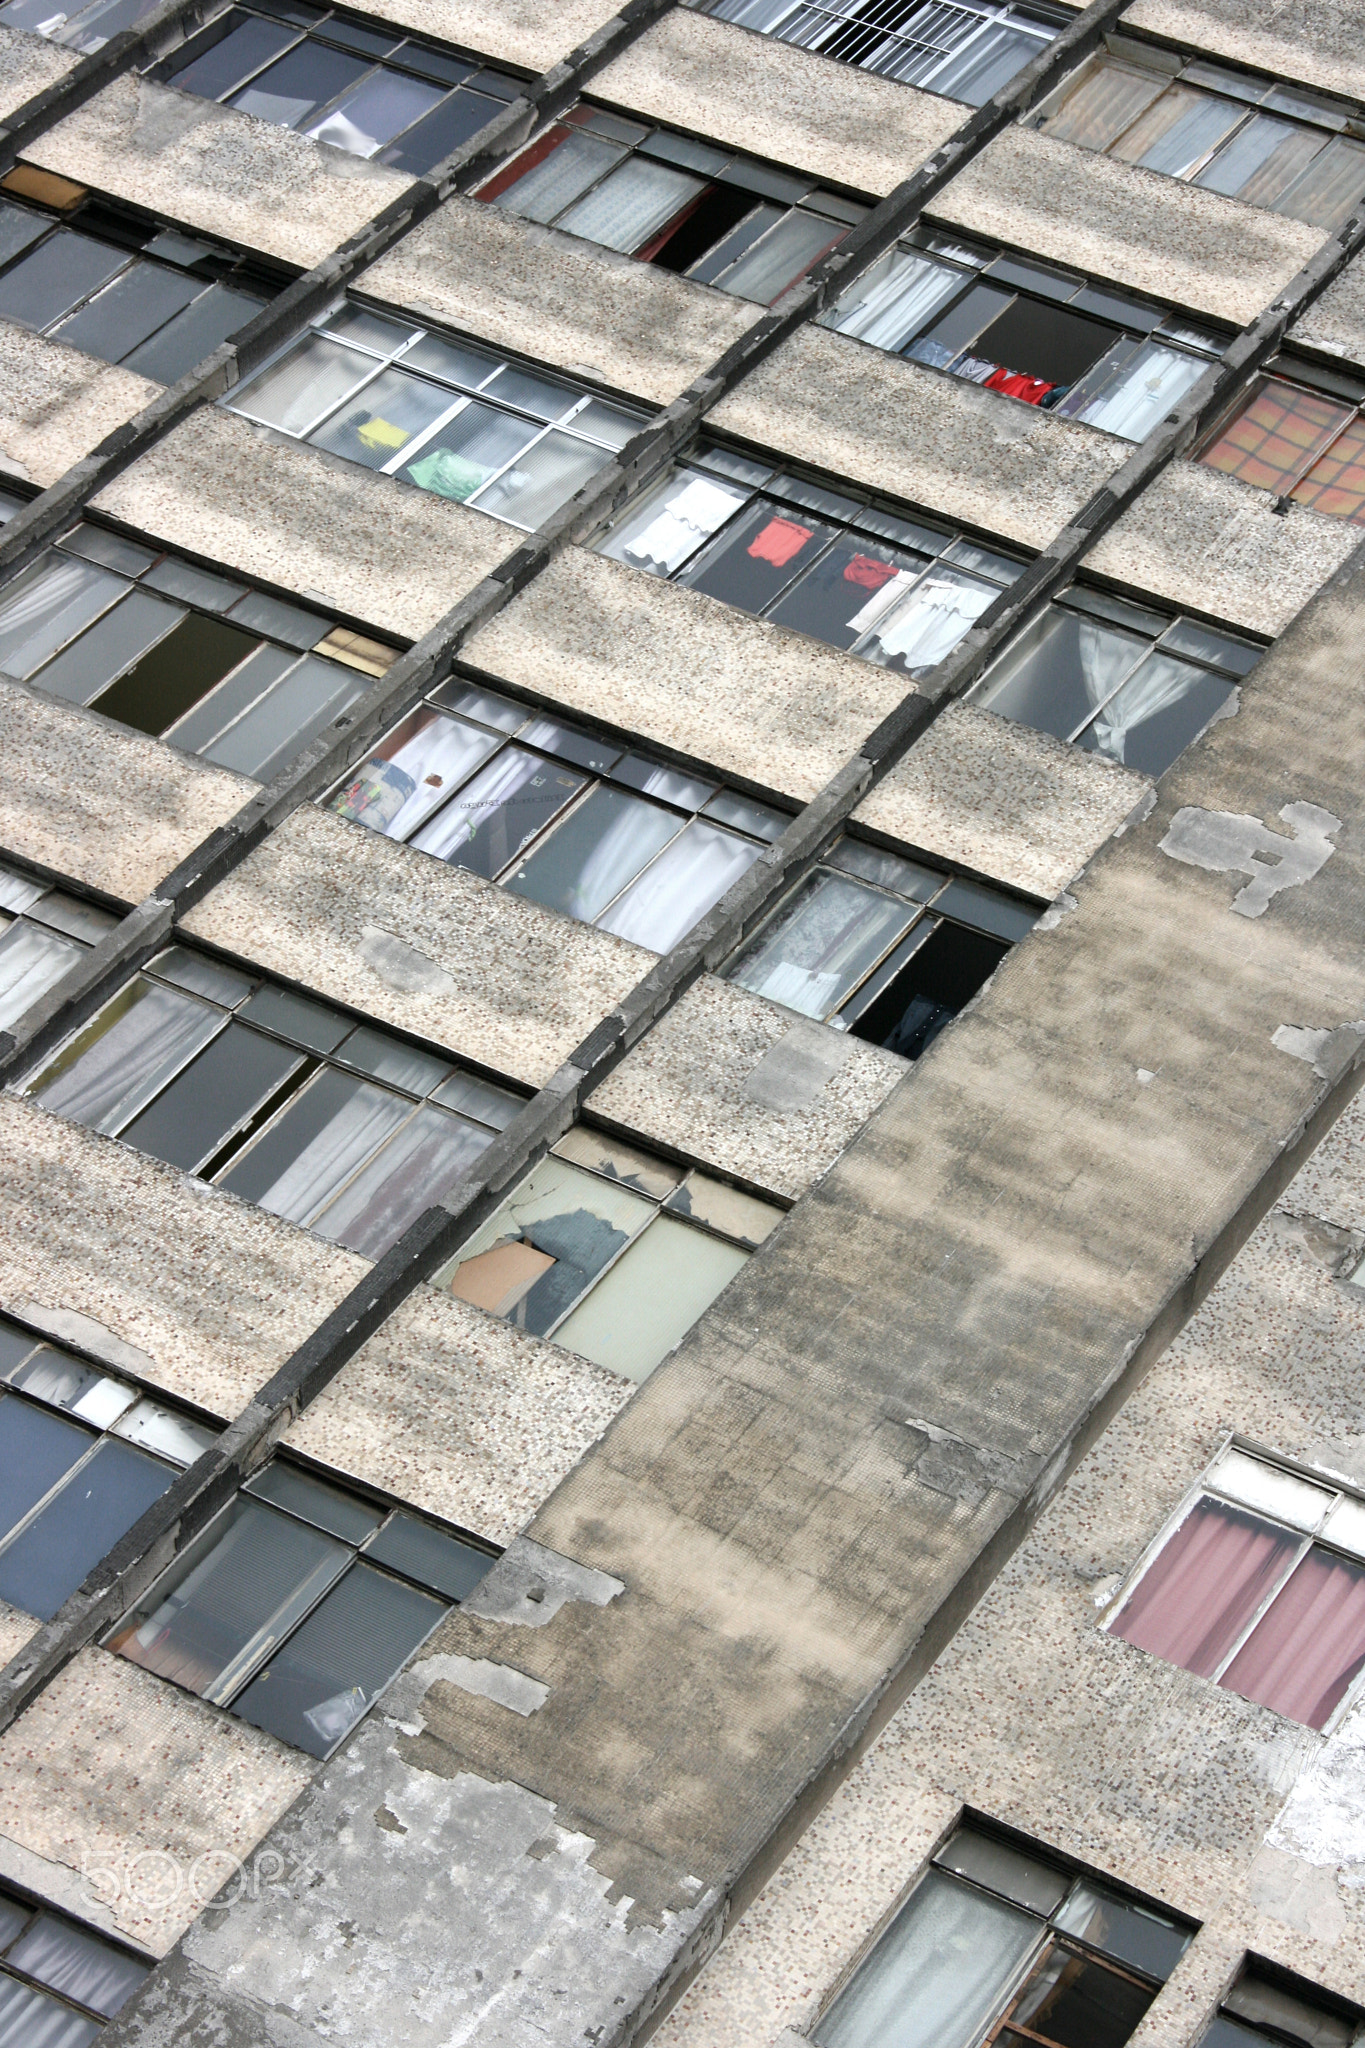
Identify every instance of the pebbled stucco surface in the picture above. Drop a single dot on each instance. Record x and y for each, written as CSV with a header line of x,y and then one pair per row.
x,y
365,545
1290,38
1335,323
944,444
524,33
29,64
56,403
560,300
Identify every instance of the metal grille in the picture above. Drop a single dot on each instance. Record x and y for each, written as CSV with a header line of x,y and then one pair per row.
x,y
908,40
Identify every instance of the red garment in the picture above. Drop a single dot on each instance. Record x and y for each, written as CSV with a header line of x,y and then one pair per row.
x,y
869,572
779,541
1016,385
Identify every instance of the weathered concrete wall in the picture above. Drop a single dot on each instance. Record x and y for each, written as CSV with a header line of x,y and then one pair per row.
x,y
359,543
1011,803
1336,323
1124,225
213,1294
1320,45
560,300
950,446
461,1414
434,949
744,1086
111,808
687,672
28,65
519,32
1216,544
792,106
56,403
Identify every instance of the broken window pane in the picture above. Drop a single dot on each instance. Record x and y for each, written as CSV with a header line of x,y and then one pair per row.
x,y
814,952
650,1298
533,1259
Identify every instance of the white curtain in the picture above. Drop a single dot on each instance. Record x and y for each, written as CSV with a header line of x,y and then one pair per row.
x,y
49,605
894,301
631,206
361,1118
1160,682
1149,384
31,962
927,624
495,786
681,886
143,1037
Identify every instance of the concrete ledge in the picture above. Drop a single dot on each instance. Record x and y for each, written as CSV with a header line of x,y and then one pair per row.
x,y
57,403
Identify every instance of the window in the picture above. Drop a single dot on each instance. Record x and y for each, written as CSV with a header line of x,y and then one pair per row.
x,y
362,85
579,824
965,49
1116,678
10,503
42,934
1260,1585
86,28
1299,432
610,1250
298,1604
402,400
117,284
1027,329
1003,1944
279,1098
82,1455
707,213
1269,145
882,947
842,567
59,1982
1269,2004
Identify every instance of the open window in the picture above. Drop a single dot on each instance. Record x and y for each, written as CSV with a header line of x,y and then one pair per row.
x,y
612,1251
964,49
299,1603
1268,2003
59,1981
339,1127
1299,432
1002,1943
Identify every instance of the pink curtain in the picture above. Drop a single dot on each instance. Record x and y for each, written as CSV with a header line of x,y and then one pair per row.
x,y
1198,1595
1309,1645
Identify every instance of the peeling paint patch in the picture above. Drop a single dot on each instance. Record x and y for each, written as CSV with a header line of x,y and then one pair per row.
x,y
401,966
529,1584
1328,1051
479,1675
1055,912
1297,1895
792,1073
1234,842
1322,1822
69,1326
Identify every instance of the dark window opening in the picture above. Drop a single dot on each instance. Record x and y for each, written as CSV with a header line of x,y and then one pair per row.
x,y
1268,2003
938,980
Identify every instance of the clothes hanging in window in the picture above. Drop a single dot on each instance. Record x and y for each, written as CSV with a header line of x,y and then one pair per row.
x,y
779,541
868,572
1015,384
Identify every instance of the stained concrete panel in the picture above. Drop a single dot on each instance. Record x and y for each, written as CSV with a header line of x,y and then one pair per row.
x,y
433,949
56,403
1335,323
213,1293
1124,225
560,300
149,1795
691,1084
29,64
792,106
1209,541
523,33
461,1414
1011,803
687,672
950,446
210,167
1317,45
366,545
111,808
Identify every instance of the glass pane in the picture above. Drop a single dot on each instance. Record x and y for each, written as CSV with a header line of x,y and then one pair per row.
x,y
1329,191
81,671
308,381
1059,670
850,586
392,410
291,712
591,856
27,2015
56,276
495,1107
643,1171
77,1964
747,816
184,666
315,1689
629,208
329,1507
1132,389
18,227
388,1059
467,451
1106,102
1260,160
162,1430
1130,1933
1203,1587
1077,2002
1275,437
495,815
758,556
215,315
891,303
686,791
1345,1525
1285,2016
302,79
937,1976
244,49
671,522
1309,1647
915,621
784,254
989,63
215,1094
817,949
206,977
48,605
1027,1880
411,772
1271,1490
570,744
315,1025
67,1382
44,1565
129,310
485,705
430,1554
119,1061
686,881
545,478
555,175
1178,131
547,1242
381,106
1162,707
230,1598
306,1156
650,1299
1336,482
31,962
453,122
38,1450
413,1171
724,1208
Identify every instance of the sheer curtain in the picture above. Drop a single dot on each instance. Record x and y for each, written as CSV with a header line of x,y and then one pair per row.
x,y
681,885
359,1118
48,605
1155,685
1152,380
895,300
1306,1649
631,206
31,962
1201,1590
143,1037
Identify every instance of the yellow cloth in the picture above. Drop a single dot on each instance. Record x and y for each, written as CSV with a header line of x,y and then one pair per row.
x,y
383,434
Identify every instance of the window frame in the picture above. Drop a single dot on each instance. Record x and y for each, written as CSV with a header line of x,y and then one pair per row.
x,y
1294,376
992,13
19,907
35,1906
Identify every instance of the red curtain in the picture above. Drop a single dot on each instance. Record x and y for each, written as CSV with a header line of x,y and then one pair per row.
x,y
1200,1592
1309,1645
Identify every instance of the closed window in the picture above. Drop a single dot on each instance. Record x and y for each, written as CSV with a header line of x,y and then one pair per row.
x,y
1028,330
1000,1943
707,213
86,28
220,670
1278,146
447,416
882,947
115,283
277,1097
965,49
576,823
299,1603
843,568
43,933
82,1455
59,1981
1117,678
1301,434
610,1250
1270,2004
1259,1584
360,84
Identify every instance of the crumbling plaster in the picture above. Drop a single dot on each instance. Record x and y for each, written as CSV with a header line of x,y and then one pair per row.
x,y
57,403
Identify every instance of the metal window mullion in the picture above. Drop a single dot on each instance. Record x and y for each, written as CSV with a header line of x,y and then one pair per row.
x,y
1124,679
687,818
1305,1545
234,1129
496,476
595,779
32,679
869,633
983,23
89,297
334,405
414,445
226,1018
322,1064
445,802
201,753
1202,163
414,1104
251,76
616,1256
632,150
17,1529
133,660
62,1998
272,1649
326,107
1306,469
